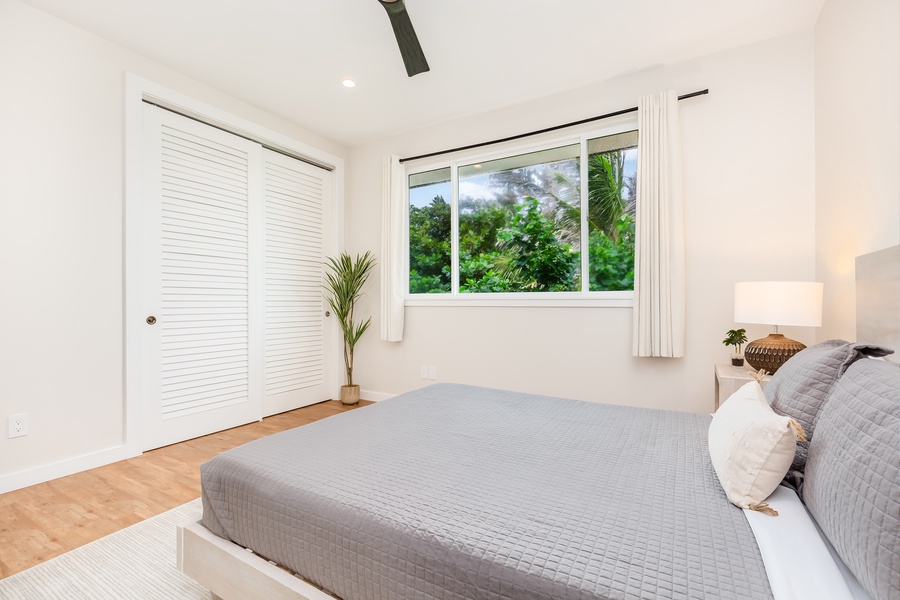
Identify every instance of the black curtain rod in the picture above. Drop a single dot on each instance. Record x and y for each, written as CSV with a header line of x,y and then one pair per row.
x,y
624,111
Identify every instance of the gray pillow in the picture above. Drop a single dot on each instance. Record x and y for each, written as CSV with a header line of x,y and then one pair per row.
x,y
800,388
852,485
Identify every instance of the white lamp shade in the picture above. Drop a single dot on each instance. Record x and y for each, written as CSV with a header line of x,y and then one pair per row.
x,y
797,303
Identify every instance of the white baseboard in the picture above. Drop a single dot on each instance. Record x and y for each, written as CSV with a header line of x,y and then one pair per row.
x,y
69,466
374,396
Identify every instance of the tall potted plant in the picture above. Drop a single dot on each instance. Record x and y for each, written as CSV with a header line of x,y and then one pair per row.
x,y
344,283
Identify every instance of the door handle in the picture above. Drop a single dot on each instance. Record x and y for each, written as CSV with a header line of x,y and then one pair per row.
x,y
151,320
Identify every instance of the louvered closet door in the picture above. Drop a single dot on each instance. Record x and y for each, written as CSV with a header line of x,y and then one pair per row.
x,y
296,340
203,279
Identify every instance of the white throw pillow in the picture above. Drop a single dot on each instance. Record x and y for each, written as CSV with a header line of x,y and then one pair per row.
x,y
751,447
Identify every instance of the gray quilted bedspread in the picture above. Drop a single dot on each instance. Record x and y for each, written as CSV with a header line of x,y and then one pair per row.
x,y
462,492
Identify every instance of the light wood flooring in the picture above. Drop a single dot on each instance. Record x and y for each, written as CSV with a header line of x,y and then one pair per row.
x,y
48,519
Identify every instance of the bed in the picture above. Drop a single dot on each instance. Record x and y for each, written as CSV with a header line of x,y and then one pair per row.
x,y
461,492
455,491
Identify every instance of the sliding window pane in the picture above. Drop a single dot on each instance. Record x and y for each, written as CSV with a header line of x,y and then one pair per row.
x,y
519,223
429,232
612,189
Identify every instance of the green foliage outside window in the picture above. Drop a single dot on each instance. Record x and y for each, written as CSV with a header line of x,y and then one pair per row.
x,y
482,259
536,259
611,260
429,248
527,239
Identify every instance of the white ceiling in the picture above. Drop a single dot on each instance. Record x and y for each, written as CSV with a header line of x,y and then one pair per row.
x,y
289,56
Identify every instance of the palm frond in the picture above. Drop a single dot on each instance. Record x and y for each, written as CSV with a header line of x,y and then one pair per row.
x,y
605,204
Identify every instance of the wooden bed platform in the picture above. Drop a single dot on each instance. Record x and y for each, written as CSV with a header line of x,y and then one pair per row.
x,y
230,572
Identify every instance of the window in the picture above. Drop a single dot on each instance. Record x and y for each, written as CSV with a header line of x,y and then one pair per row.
x,y
515,224
429,232
612,192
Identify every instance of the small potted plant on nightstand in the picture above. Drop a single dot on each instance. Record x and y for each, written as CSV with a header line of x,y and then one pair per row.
x,y
344,284
736,339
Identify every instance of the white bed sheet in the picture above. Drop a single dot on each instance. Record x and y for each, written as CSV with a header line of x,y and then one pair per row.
x,y
799,560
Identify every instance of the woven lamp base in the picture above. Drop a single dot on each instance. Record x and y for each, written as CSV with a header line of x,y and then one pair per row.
x,y
771,352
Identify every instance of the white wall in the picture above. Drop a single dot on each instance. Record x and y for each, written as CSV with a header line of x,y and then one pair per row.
x,y
749,192
857,46
61,234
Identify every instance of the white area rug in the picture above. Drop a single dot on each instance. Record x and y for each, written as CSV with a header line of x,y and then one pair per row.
x,y
137,562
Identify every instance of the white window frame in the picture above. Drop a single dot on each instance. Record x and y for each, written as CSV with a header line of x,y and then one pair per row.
x,y
579,299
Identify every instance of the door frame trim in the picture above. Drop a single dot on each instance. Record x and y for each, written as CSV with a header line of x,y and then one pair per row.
x,y
137,90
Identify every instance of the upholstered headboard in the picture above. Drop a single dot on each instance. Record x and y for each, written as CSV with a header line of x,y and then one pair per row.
x,y
878,299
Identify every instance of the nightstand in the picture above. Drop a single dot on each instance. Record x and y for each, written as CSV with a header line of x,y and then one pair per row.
x,y
729,378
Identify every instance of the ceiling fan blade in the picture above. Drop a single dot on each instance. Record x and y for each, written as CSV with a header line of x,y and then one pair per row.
x,y
410,49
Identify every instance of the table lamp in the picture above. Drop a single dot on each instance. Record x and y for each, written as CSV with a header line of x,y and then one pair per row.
x,y
795,303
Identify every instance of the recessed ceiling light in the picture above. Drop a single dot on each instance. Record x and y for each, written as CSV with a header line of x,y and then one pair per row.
x,y
348,83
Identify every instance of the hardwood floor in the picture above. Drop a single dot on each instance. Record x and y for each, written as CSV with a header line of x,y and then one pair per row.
x,y
48,519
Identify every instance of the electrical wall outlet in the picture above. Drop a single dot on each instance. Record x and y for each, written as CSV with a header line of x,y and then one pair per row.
x,y
423,371
18,425
432,372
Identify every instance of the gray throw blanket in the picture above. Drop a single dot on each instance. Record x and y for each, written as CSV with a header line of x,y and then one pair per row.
x,y
460,492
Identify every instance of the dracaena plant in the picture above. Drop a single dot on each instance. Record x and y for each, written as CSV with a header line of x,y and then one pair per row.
x,y
344,283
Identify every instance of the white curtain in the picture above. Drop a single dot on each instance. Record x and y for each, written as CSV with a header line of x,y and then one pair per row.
x,y
393,242
659,305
